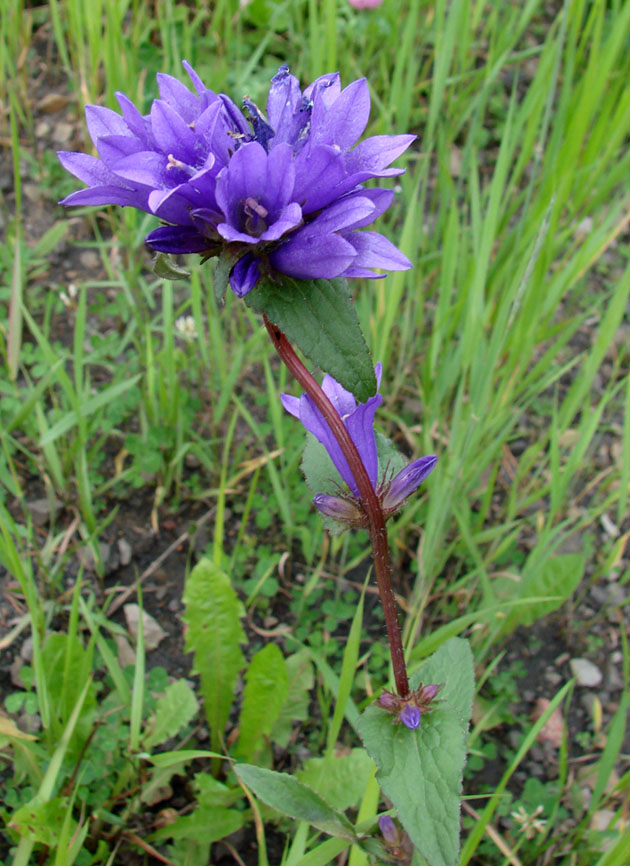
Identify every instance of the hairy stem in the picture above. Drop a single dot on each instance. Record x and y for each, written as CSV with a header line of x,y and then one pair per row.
x,y
371,505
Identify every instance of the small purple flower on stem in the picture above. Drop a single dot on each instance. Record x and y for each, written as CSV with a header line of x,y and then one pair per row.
x,y
396,840
410,709
389,830
285,192
359,421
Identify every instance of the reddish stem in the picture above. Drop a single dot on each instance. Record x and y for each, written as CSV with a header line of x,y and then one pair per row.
x,y
369,499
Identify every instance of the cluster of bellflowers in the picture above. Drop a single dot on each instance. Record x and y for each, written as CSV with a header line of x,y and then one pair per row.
x,y
282,193
347,508
410,709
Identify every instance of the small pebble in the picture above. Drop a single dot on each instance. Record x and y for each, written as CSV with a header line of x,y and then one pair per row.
x,y
124,551
585,672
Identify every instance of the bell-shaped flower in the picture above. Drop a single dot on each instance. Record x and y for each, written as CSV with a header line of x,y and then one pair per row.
x,y
358,419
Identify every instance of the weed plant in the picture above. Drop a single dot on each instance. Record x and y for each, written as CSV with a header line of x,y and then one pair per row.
x,y
506,356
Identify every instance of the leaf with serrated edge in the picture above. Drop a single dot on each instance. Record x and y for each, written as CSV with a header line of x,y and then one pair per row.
x,y
214,633
286,795
421,771
266,689
452,665
175,708
319,317
296,706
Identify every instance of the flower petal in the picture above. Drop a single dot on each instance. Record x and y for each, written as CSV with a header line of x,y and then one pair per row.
x,y
375,251
177,240
339,509
407,480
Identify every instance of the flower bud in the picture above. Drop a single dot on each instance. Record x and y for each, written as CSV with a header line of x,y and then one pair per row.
x,y
389,831
339,509
407,480
430,691
388,701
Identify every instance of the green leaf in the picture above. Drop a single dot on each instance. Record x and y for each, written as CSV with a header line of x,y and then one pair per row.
x,y
319,317
556,578
452,665
286,795
421,771
226,260
340,780
177,706
206,824
41,822
266,689
214,633
296,706
165,267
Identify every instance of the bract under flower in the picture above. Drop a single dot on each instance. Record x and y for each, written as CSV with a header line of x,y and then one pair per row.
x,y
287,188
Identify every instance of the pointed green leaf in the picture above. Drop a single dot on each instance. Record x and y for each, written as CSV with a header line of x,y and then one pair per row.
x,y
556,578
266,689
165,267
226,260
174,710
421,771
452,664
296,706
286,795
319,317
214,633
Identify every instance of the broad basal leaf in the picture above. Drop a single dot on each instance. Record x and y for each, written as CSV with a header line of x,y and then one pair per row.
x,y
286,795
319,317
214,633
266,689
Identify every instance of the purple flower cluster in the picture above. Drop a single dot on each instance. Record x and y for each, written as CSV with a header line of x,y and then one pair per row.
x,y
283,192
410,709
359,422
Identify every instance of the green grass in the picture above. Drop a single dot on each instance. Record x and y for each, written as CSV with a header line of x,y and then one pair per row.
x,y
514,212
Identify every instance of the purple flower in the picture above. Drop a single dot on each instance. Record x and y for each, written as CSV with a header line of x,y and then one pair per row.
x,y
410,717
410,709
359,422
283,191
389,830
